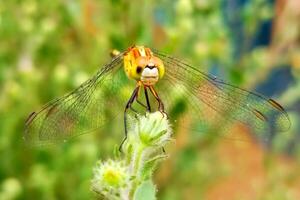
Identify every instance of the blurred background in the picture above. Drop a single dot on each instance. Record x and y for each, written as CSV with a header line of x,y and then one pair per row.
x,y
48,48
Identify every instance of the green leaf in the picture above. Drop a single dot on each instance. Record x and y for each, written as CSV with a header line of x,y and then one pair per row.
x,y
146,191
150,166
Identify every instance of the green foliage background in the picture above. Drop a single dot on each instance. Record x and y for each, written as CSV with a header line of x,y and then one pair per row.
x,y
47,48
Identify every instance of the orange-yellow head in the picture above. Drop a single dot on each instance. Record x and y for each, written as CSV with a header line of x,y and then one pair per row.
x,y
140,64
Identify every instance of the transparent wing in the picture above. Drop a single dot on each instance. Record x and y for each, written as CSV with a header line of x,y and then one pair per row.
x,y
229,102
78,112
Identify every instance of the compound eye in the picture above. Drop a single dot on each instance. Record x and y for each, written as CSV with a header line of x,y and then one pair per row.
x,y
139,69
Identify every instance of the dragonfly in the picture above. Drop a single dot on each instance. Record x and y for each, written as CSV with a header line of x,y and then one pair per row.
x,y
158,78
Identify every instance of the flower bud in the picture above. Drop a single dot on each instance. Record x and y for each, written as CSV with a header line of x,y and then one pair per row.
x,y
152,129
110,179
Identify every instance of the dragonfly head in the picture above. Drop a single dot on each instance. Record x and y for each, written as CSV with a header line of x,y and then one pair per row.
x,y
149,75
140,64
150,70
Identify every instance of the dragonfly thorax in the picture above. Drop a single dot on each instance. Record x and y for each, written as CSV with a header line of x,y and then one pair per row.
x,y
140,64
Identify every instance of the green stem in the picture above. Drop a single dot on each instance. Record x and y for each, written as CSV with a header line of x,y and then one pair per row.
x,y
137,168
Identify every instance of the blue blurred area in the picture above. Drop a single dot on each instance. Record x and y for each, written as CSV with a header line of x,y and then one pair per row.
x,y
277,82
280,78
263,34
233,18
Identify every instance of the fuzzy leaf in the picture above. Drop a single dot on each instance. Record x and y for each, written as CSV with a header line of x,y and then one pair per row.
x,y
146,191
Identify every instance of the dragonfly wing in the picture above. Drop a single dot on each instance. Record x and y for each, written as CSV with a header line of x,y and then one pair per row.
x,y
75,113
231,103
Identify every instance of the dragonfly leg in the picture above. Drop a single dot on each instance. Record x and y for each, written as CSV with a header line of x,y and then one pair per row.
x,y
128,106
148,107
161,106
133,110
141,103
147,100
